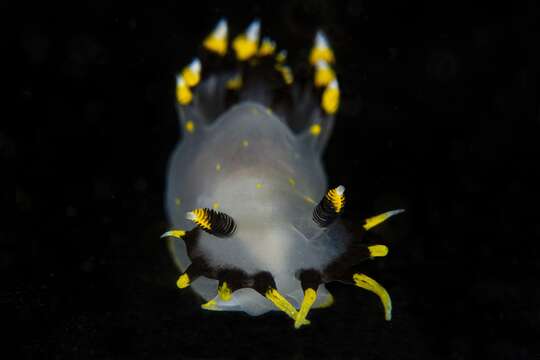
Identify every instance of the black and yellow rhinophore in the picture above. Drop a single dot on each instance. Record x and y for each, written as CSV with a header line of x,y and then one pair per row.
x,y
330,206
212,221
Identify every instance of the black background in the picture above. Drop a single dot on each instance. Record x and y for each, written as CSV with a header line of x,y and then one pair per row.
x,y
439,115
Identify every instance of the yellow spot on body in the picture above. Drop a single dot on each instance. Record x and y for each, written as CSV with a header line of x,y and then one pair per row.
x,y
190,127
215,205
245,143
183,93
330,98
292,182
235,82
315,129
218,167
210,305
378,250
310,296
259,186
269,111
174,233
369,284
183,281
177,201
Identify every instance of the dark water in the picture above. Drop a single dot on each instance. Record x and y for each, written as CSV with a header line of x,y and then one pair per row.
x,y
439,114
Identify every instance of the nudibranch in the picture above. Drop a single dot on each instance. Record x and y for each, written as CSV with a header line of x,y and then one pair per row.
x,y
254,226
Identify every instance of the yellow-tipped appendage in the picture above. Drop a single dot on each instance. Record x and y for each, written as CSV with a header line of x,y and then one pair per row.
x,y
217,41
224,292
246,44
337,198
310,296
210,305
365,282
199,217
183,92
192,73
378,250
376,220
321,50
324,74
268,47
183,281
282,304
174,233
330,98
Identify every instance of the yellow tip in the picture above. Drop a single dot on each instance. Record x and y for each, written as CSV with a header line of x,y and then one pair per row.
x,y
217,41
225,292
192,73
321,50
330,98
310,296
210,305
183,93
281,303
267,47
365,282
378,250
376,220
324,74
245,45
174,233
183,281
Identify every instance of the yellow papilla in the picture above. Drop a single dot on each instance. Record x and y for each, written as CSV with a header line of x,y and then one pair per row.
x,y
365,282
216,44
183,281
310,296
244,47
378,250
183,93
191,77
330,100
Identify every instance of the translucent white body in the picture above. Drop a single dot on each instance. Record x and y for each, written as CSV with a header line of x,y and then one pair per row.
x,y
250,165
